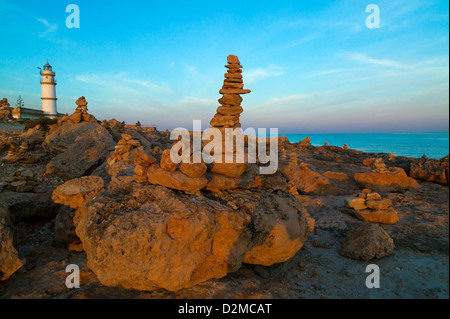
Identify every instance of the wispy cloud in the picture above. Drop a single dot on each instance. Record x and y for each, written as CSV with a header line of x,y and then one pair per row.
x,y
120,81
49,27
360,57
326,72
259,74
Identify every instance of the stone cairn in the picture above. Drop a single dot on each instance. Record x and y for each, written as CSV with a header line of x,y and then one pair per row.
x,y
80,115
229,111
217,177
293,158
370,207
5,110
20,181
25,148
377,165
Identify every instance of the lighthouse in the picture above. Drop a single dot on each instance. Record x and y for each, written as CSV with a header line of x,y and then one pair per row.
x,y
48,86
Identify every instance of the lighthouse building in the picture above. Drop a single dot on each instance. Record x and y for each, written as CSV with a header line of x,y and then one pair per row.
x,y
48,86
48,97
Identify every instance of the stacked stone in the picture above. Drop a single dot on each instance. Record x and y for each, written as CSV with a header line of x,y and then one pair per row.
x,y
19,150
370,207
306,142
293,158
20,181
143,162
228,112
129,157
5,110
377,164
283,153
81,113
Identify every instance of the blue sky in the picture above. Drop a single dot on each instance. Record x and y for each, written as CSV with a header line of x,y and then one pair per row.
x,y
312,66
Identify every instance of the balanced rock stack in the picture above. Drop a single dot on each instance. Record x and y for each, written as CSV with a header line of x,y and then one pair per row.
x,y
20,181
385,179
126,159
81,113
228,112
5,109
371,207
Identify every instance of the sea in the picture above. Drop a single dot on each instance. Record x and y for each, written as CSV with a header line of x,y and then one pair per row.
x,y
433,145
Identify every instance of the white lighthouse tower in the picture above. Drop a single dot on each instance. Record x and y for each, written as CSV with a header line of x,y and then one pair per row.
x,y
48,86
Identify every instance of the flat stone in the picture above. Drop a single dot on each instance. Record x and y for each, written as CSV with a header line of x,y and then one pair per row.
x,y
233,66
231,99
233,75
386,216
356,203
229,169
228,85
145,155
176,180
373,196
234,91
27,173
18,183
379,204
233,80
221,120
230,110
232,59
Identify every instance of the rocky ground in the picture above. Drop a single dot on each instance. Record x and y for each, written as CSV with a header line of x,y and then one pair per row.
x,y
417,268
108,197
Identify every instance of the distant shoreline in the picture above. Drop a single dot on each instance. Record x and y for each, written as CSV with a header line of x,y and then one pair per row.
x,y
415,145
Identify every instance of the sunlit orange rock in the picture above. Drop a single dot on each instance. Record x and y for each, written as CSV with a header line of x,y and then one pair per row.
x,y
393,180
164,239
176,180
308,181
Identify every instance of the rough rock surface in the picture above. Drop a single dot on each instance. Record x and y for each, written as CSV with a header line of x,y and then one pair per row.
x,y
394,180
431,170
176,180
9,259
74,193
366,242
308,181
150,237
68,133
79,148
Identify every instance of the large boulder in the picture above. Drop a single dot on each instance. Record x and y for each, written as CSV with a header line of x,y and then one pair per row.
x,y
309,182
392,180
176,180
431,170
9,258
68,133
147,237
366,242
79,148
81,158
76,192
